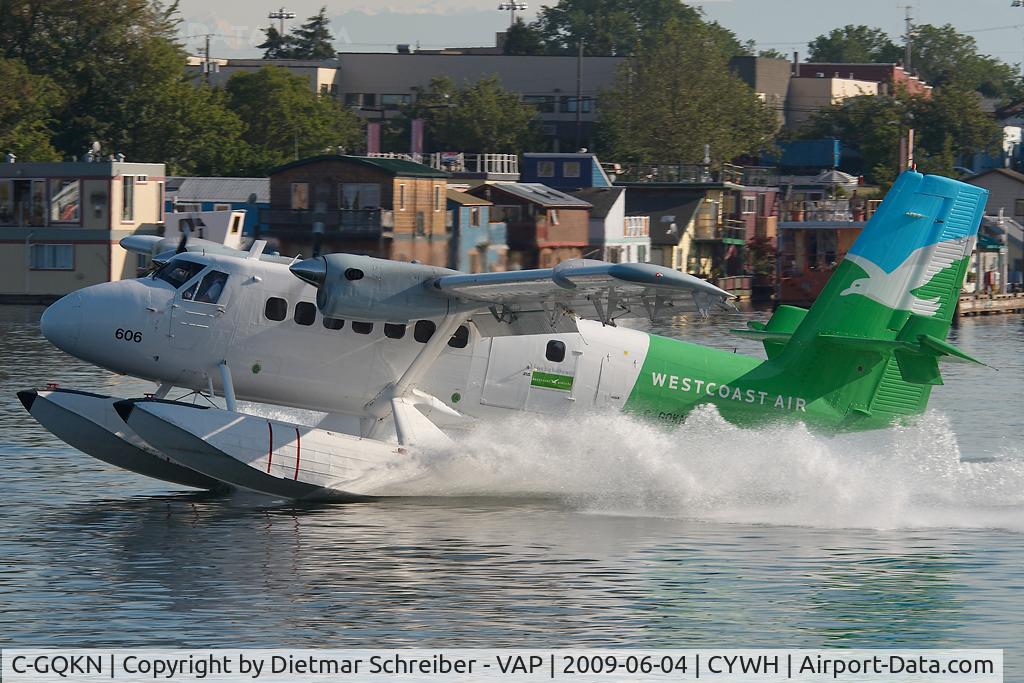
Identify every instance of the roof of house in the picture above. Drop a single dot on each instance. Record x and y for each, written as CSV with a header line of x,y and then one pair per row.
x,y
466,199
219,189
601,199
395,167
670,213
1019,177
543,195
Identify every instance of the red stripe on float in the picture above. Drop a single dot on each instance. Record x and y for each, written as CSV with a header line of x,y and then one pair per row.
x,y
298,451
270,448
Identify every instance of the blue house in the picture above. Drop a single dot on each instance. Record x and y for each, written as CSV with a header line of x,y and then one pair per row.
x,y
219,194
477,245
564,171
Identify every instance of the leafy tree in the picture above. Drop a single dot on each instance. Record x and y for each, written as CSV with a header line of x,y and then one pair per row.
x,y
946,126
479,118
854,45
942,56
677,95
283,120
27,103
313,39
276,45
621,27
521,39
771,53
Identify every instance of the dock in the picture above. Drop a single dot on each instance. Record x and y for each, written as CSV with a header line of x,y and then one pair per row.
x,y
991,305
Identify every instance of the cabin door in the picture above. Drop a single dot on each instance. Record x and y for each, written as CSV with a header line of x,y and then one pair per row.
x,y
507,381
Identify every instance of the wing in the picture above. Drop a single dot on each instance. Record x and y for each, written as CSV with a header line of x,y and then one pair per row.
x,y
552,297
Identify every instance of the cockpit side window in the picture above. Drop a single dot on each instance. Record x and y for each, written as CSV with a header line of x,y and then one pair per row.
x,y
211,287
178,271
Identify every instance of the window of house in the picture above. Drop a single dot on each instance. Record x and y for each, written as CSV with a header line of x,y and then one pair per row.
x,y
545,169
221,207
161,203
749,204
276,309
65,202
334,323
187,207
553,215
300,196
128,199
437,197
421,224
474,216
423,331
361,327
305,313
236,225
401,196
394,100
545,104
394,330
141,179
6,202
460,338
359,195
52,257
555,351
641,254
571,169
569,104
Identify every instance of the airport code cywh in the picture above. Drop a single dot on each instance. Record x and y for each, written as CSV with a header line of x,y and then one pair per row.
x,y
280,665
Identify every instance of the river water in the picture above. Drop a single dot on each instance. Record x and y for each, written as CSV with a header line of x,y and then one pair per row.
x,y
603,532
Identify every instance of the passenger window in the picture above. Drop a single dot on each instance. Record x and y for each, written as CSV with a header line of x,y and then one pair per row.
x,y
423,331
460,338
362,328
305,313
394,330
334,323
276,309
211,287
555,351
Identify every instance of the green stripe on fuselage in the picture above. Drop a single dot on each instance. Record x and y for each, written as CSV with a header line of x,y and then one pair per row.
x,y
550,380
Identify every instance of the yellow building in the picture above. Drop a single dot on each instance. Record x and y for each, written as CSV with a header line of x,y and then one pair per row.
x,y
60,224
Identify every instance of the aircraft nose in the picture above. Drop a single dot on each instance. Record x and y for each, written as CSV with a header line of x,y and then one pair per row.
x,y
62,322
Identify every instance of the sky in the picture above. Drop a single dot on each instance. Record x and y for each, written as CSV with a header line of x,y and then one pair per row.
x,y
786,25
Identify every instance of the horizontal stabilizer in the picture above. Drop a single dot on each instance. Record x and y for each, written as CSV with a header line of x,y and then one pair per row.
x,y
777,331
588,289
917,358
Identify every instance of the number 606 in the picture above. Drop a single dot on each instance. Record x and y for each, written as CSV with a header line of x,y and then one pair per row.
x,y
128,335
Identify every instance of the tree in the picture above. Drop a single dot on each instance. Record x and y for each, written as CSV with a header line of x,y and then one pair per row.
x,y
276,45
27,105
854,45
313,39
677,95
943,56
620,27
948,125
521,39
284,120
479,118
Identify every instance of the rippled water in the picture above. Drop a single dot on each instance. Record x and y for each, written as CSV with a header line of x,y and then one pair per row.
x,y
605,531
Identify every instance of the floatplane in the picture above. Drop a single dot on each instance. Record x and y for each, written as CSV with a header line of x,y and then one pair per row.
x,y
398,355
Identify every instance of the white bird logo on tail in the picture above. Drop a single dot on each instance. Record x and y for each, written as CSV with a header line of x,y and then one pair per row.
x,y
895,289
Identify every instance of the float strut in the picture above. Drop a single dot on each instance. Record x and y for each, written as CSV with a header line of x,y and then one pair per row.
x,y
227,386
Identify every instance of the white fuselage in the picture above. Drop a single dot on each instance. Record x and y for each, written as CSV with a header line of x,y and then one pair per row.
x,y
151,329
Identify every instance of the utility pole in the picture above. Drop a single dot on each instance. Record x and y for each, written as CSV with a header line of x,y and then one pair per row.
x,y
511,8
907,37
579,92
281,14
206,56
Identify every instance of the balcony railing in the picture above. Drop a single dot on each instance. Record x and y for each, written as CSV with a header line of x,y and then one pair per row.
x,y
363,222
829,211
458,162
707,228
692,174
637,226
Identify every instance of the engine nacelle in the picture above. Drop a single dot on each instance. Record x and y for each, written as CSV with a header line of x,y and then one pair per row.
x,y
372,289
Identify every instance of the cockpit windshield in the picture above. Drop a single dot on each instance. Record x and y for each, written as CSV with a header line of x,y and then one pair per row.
x,y
178,271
